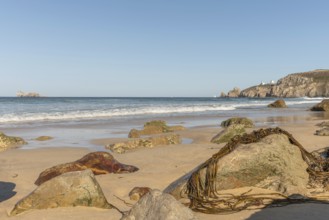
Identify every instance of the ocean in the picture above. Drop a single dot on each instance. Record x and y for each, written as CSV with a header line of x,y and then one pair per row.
x,y
73,121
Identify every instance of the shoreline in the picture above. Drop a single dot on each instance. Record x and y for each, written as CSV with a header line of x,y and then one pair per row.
x,y
158,166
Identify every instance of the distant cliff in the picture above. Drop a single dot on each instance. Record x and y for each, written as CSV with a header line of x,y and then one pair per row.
x,y
312,84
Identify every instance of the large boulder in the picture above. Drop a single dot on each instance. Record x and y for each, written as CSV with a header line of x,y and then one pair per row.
x,y
98,162
72,189
322,106
272,163
149,142
7,142
228,133
154,127
160,206
238,120
278,104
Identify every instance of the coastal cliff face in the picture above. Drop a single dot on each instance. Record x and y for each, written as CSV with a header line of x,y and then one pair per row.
x,y
312,84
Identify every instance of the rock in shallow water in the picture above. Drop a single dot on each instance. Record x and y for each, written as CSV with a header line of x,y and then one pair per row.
x,y
241,121
71,189
322,106
154,127
278,104
7,142
44,138
98,162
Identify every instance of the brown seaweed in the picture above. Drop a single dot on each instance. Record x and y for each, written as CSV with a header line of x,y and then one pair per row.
x,y
97,162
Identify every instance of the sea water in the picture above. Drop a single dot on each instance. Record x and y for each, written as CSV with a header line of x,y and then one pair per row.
x,y
73,121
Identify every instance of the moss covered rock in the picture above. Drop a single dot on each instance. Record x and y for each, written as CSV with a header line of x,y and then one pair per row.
x,y
72,189
44,138
228,133
238,120
322,106
7,142
149,142
278,104
154,127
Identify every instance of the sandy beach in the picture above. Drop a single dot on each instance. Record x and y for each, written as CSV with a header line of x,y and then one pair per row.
x,y
158,166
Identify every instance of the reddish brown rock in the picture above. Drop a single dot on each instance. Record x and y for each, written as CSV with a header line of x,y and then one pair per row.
x,y
98,162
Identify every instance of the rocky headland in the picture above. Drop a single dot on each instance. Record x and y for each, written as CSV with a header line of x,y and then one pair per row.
x,y
311,84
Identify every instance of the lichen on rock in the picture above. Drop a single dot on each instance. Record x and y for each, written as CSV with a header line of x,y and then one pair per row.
x,y
148,142
71,189
154,127
280,103
228,133
7,142
238,120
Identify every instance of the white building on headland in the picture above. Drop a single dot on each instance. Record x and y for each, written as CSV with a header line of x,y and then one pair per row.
x,y
272,82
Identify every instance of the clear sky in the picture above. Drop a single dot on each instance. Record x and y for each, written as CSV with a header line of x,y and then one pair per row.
x,y
157,47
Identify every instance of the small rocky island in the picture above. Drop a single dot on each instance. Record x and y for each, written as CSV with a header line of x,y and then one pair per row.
x,y
27,94
311,84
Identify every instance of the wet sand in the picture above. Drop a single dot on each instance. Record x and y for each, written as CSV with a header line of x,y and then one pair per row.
x,y
158,168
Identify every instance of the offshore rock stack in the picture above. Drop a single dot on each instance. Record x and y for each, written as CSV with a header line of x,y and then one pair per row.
x,y
27,94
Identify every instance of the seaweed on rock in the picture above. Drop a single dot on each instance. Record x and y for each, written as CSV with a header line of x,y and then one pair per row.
x,y
205,198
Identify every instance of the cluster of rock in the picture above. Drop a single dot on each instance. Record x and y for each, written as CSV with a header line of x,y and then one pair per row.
x,y
324,131
154,133
311,84
75,185
148,142
7,142
267,159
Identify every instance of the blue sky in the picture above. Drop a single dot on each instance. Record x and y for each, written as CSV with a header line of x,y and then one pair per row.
x,y
157,48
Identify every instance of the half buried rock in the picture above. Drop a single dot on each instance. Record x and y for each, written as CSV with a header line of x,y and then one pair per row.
x,y
98,162
149,142
154,127
68,190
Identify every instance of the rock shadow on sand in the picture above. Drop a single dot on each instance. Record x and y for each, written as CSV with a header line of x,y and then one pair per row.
x,y
6,190
293,212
